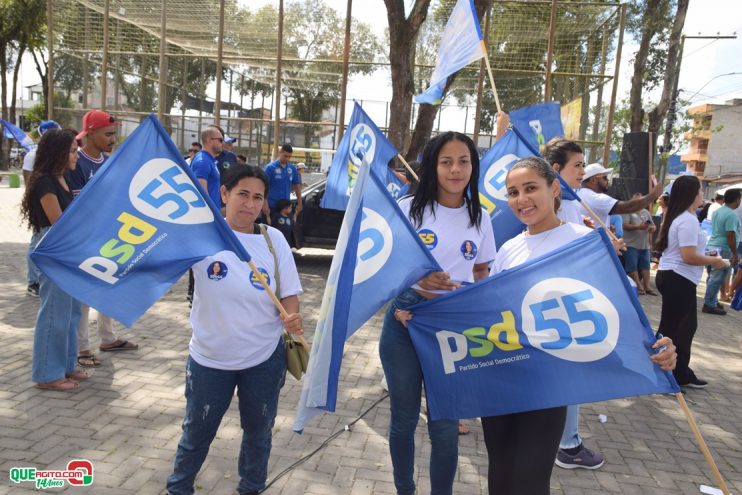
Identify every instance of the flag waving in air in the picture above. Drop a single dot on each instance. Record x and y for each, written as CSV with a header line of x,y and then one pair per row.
x,y
137,226
461,44
538,123
377,256
536,336
14,132
362,140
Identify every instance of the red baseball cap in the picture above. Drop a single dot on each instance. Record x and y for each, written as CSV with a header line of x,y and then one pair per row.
x,y
94,120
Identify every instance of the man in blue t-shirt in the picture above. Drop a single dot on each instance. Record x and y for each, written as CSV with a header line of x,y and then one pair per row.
x,y
204,163
282,179
725,234
99,132
226,158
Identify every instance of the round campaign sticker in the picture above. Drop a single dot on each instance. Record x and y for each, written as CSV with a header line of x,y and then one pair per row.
x,y
469,250
217,271
429,238
256,283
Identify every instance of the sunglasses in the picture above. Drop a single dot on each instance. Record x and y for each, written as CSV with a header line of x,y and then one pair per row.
x,y
193,151
221,140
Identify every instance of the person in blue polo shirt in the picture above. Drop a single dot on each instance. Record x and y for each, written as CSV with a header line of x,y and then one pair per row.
x,y
226,158
282,179
204,163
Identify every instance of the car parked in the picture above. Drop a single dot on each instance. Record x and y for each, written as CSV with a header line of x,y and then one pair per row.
x,y
316,226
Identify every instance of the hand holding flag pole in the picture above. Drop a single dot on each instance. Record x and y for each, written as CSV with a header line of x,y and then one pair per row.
x,y
276,302
407,165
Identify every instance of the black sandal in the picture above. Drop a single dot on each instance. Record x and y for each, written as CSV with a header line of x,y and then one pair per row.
x,y
88,360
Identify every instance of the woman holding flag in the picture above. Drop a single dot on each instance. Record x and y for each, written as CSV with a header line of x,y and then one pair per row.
x,y
568,160
522,446
47,195
236,342
446,213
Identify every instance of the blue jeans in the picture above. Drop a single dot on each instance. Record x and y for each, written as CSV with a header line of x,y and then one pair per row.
x,y
405,379
33,270
715,280
208,393
55,335
571,436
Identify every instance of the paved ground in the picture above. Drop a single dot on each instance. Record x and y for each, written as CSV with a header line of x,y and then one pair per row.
x,y
126,419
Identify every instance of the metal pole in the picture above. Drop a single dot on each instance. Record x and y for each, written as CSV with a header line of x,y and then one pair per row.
x,y
550,50
614,90
162,87
104,63
184,98
50,66
117,74
599,100
85,71
480,82
218,77
229,98
277,121
671,114
202,97
344,83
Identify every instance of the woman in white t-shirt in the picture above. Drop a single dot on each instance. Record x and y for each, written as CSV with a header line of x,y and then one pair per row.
x,y
568,160
236,341
522,446
446,213
681,243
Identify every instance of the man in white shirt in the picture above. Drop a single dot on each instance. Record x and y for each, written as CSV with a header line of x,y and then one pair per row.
x,y
717,203
594,189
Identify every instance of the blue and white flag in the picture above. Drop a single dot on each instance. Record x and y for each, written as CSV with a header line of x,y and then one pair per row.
x,y
137,226
538,123
536,336
493,169
11,131
395,186
363,139
461,44
377,256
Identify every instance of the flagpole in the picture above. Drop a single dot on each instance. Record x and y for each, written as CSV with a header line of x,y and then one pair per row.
x,y
407,165
492,79
701,443
600,222
276,301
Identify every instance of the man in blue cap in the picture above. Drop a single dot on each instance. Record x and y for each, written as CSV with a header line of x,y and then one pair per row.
x,y
226,158
33,272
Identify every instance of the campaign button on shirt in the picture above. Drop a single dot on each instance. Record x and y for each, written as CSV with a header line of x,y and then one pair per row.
x,y
469,250
429,238
217,271
254,279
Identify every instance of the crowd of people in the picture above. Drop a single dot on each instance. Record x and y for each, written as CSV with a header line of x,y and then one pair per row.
x,y
226,355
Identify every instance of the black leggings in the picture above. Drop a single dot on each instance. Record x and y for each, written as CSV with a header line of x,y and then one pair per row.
x,y
522,448
679,318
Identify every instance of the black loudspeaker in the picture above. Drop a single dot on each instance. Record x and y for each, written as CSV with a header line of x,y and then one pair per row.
x,y
633,172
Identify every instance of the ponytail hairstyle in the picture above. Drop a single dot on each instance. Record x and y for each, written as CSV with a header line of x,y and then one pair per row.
x,y
426,194
558,150
682,195
543,169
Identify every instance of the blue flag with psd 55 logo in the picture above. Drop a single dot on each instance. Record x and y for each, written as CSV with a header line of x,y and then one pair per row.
x,y
538,123
539,335
362,140
135,228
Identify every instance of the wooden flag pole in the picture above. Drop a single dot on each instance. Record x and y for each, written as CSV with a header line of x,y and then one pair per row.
x,y
407,165
492,79
600,222
276,301
701,443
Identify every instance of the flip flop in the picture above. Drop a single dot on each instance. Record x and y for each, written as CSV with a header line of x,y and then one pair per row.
x,y
88,360
78,375
641,292
120,345
60,385
651,292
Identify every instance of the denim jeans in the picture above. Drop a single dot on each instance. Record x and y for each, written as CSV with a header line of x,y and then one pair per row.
x,y
33,270
715,280
208,393
405,379
571,436
55,336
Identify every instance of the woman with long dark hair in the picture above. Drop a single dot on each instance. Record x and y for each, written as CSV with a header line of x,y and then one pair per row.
x,y
446,213
47,196
681,243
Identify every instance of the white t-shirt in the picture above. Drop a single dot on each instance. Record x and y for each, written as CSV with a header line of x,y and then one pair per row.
x,y
524,247
684,231
28,160
454,244
712,208
602,204
570,211
235,324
